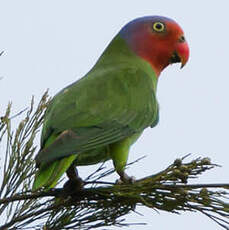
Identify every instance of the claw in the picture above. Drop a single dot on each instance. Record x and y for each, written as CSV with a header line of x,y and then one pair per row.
x,y
125,179
75,183
72,186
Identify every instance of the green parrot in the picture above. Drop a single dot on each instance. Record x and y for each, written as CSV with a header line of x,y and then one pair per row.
x,y
100,116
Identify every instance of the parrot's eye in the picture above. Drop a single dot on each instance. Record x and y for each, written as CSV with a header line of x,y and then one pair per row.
x,y
158,27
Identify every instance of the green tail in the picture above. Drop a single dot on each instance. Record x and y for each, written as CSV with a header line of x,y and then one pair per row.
x,y
49,176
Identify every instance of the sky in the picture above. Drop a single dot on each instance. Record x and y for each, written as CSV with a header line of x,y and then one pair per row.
x,y
50,44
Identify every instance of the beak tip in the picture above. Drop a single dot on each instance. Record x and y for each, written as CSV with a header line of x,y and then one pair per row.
x,y
183,53
183,62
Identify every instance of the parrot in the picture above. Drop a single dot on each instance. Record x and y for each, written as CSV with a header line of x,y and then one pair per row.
x,y
101,115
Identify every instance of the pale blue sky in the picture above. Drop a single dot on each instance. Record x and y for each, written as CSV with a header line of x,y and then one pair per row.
x,y
50,44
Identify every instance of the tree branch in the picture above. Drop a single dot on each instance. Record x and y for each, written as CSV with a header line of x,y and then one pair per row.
x,y
60,192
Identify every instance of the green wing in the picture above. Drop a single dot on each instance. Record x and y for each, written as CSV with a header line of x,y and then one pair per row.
x,y
96,112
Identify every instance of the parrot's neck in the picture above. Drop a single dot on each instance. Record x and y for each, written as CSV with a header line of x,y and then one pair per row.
x,y
118,54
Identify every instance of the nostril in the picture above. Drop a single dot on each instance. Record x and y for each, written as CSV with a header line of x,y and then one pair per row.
x,y
182,39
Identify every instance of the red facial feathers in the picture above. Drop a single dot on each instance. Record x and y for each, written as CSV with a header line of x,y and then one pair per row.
x,y
158,40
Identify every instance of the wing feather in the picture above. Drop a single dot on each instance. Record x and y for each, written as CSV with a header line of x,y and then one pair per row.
x,y
96,112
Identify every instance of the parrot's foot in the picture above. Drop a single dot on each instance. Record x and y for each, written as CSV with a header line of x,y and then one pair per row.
x,y
75,183
72,186
124,178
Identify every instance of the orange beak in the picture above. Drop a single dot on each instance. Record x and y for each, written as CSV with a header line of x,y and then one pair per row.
x,y
182,50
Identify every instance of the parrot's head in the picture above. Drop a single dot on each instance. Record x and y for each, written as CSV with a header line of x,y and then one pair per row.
x,y
158,40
